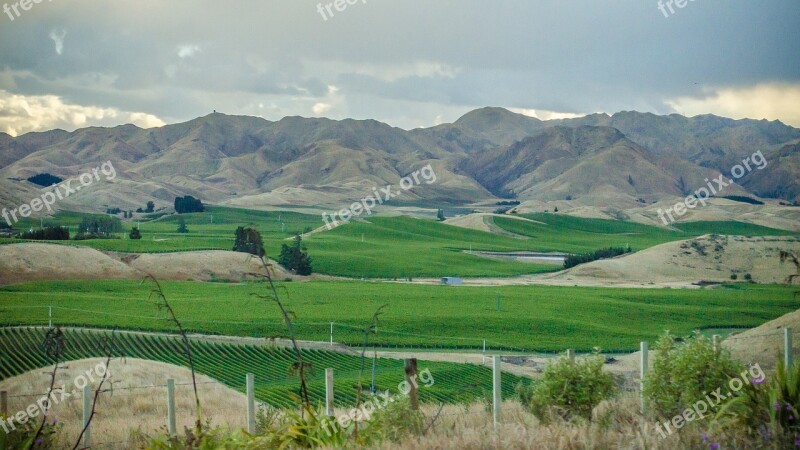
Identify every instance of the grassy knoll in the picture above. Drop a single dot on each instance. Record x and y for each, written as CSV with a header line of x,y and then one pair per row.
x,y
452,383
530,317
558,232
402,247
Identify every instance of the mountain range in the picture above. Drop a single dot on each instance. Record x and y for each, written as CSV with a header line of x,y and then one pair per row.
x,y
626,159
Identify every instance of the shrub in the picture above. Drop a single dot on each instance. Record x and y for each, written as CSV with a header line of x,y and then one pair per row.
x,y
748,277
135,234
22,435
767,408
684,372
734,277
571,388
394,422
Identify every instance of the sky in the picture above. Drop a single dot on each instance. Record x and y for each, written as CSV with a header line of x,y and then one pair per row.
x,y
412,63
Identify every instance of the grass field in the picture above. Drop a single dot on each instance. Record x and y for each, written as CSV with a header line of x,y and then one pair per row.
x,y
559,232
531,318
228,363
415,247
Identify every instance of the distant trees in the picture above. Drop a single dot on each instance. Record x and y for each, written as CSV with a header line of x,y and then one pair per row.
x,y
135,234
248,240
605,253
45,179
188,204
99,226
295,257
150,207
47,234
440,215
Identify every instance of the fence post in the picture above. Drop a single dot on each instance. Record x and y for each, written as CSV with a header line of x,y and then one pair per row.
x,y
4,403
171,423
411,379
87,415
497,398
715,339
787,349
643,370
50,317
571,354
250,380
329,392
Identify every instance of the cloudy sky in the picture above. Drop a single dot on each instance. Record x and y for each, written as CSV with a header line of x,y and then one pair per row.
x,y
410,63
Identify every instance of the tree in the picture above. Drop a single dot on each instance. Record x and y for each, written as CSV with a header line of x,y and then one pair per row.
x,y
188,204
150,207
440,215
248,240
135,234
182,226
295,257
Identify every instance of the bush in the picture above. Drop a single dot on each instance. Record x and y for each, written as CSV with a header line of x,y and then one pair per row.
x,y
571,389
605,253
22,435
684,372
394,422
734,277
768,409
135,234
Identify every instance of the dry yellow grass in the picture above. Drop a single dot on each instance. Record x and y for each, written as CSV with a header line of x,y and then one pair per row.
x,y
126,410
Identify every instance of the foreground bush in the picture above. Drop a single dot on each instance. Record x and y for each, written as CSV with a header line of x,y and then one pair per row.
x,y
569,388
23,436
768,408
685,372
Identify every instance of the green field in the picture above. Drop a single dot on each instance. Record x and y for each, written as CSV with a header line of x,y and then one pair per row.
x,y
402,247
229,363
558,232
531,318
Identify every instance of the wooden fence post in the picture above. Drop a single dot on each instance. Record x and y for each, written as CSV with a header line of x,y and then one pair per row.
x,y
171,422
497,398
4,403
716,340
571,354
411,379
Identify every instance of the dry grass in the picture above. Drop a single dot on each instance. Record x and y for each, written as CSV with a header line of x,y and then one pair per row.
x,y
126,410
